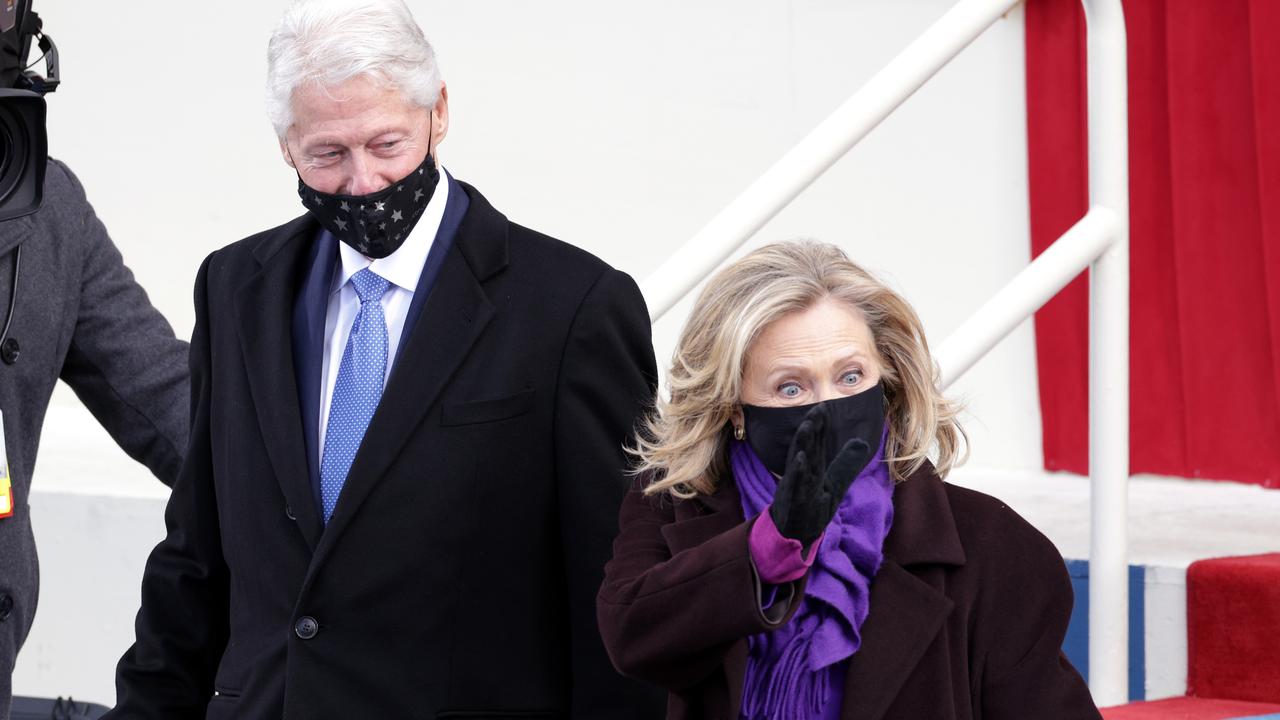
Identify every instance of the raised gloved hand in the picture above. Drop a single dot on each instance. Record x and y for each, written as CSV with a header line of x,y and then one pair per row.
x,y
808,493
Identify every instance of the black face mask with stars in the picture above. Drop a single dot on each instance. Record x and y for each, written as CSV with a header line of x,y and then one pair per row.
x,y
378,223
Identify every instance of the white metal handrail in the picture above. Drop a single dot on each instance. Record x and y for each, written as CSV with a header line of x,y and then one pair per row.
x,y
1099,241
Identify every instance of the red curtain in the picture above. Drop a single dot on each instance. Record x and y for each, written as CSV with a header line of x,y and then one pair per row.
x,y
1204,170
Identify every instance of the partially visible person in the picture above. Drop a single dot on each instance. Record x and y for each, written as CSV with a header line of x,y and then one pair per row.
x,y
407,454
73,311
789,552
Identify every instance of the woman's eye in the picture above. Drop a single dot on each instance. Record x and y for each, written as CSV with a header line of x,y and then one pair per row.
x,y
853,377
789,390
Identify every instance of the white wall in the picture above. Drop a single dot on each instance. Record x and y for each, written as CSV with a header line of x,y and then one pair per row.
x,y
619,127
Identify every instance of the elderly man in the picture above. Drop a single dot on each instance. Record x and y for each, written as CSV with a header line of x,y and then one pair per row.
x,y
409,418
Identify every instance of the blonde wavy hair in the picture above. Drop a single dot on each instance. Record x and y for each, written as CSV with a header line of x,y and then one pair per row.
x,y
683,444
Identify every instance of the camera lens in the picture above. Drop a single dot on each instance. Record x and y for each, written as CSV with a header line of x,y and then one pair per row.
x,y
9,159
10,156
6,147
23,148
8,153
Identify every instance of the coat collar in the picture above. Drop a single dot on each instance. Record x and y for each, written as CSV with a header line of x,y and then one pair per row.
x,y
294,235
924,530
15,231
482,237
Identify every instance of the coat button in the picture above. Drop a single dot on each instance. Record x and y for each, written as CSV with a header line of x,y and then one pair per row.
x,y
10,351
288,512
6,607
306,627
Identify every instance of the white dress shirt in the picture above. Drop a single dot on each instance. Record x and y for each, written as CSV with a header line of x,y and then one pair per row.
x,y
402,269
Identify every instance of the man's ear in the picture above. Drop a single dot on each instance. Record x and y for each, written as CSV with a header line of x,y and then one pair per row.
x,y
284,153
440,117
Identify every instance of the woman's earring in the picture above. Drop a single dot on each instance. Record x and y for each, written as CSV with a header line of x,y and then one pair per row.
x,y
739,432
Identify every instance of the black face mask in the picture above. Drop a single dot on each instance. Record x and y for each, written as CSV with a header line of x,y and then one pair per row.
x,y
378,223
770,429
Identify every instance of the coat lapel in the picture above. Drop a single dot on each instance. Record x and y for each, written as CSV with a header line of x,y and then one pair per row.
x,y
699,520
454,212
906,612
309,312
264,308
455,314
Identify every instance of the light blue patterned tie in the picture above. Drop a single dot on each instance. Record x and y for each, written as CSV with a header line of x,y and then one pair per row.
x,y
358,389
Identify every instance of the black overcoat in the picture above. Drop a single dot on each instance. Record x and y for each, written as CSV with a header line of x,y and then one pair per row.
x,y
457,576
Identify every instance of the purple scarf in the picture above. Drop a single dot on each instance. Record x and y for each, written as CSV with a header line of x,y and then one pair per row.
x,y
789,670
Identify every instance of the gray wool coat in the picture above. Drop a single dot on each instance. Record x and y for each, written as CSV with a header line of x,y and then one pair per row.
x,y
81,317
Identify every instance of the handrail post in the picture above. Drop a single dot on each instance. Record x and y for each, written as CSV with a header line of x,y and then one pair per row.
x,y
1109,357
1108,287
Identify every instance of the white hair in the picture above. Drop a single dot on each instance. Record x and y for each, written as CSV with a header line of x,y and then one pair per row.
x,y
327,42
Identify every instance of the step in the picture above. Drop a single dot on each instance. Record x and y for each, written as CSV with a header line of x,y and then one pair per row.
x,y
1173,524
1186,708
1233,628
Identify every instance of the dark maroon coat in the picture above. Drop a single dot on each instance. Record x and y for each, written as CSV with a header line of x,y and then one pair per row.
x,y
967,615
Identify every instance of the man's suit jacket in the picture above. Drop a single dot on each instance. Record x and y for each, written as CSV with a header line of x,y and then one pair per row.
x,y
80,316
968,610
456,577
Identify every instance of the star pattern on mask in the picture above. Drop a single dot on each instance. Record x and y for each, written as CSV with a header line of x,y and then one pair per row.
x,y
364,225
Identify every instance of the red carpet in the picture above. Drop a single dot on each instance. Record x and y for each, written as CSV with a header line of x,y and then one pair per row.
x,y
1189,709
1233,628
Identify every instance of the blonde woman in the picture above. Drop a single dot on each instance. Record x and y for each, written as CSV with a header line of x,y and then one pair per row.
x,y
791,552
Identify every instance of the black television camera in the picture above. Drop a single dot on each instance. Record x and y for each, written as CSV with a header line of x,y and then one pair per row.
x,y
24,147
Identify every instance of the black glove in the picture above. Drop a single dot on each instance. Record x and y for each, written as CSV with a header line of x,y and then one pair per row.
x,y
809,494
